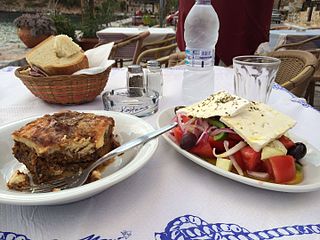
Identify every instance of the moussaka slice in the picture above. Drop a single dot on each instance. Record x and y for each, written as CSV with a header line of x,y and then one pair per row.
x,y
63,143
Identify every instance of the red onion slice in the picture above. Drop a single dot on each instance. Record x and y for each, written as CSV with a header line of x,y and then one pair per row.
x,y
260,175
179,120
188,123
231,151
233,160
220,130
202,136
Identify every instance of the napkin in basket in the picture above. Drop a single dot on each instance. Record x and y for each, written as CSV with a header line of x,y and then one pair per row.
x,y
98,59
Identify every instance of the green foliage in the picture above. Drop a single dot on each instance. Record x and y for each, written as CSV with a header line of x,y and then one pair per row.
x,y
102,15
107,9
149,20
39,24
64,25
171,5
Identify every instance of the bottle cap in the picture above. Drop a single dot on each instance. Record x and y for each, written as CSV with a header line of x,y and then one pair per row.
x,y
204,1
153,63
135,68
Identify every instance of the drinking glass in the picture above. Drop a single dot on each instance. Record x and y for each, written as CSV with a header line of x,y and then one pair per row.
x,y
254,76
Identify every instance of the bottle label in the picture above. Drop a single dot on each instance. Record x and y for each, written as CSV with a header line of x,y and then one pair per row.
x,y
198,57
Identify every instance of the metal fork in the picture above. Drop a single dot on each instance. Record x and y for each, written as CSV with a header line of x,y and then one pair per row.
x,y
81,177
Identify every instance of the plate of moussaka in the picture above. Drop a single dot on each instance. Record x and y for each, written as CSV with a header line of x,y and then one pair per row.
x,y
248,142
42,149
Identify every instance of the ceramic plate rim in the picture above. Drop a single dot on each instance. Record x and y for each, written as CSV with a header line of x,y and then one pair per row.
x,y
75,194
235,177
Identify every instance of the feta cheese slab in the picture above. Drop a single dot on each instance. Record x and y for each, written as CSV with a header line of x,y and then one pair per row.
x,y
259,124
219,104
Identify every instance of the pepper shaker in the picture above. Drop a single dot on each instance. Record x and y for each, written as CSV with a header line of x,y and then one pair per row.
x,y
135,79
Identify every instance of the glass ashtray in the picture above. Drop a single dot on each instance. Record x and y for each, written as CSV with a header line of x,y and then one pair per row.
x,y
139,102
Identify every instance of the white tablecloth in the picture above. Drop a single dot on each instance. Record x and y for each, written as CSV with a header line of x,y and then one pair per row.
x,y
279,37
169,192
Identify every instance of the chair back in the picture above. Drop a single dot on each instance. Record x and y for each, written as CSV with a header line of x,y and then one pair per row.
x,y
295,71
159,53
127,47
311,45
136,41
160,43
176,59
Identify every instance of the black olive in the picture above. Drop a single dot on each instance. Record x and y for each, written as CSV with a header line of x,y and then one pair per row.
x,y
177,108
188,140
298,151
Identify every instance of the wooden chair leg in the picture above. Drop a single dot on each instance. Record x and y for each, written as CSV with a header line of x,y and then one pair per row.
x,y
310,92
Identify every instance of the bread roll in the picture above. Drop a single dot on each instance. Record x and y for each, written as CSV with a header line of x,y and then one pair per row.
x,y
58,55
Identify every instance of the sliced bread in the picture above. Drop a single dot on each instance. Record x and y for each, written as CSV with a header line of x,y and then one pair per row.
x,y
57,55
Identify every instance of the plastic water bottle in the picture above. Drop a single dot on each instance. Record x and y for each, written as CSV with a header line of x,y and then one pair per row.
x,y
201,36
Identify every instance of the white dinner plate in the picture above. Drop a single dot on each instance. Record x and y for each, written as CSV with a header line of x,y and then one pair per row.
x,y
127,127
311,181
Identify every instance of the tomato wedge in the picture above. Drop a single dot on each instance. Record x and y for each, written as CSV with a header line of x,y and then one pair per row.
x,y
250,158
238,157
203,149
283,168
287,142
185,118
177,133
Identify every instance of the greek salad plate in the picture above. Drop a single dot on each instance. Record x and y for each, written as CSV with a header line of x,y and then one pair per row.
x,y
311,180
127,127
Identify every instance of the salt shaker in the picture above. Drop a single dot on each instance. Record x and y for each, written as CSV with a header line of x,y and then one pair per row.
x,y
154,78
135,79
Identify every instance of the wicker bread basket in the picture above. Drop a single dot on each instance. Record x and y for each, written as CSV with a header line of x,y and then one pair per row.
x,y
65,89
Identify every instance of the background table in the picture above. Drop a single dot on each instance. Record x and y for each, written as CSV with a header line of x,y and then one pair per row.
x,y
279,37
113,34
169,192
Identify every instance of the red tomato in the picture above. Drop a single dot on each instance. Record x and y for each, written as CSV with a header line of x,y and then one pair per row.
x,y
203,149
238,157
287,142
177,133
251,158
218,145
268,168
185,118
283,167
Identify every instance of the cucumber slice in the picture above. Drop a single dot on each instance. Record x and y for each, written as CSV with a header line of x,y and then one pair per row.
x,y
220,136
215,122
218,124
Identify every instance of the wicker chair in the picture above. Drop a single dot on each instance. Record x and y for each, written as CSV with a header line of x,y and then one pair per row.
x,y
295,71
160,43
160,54
135,42
176,59
310,46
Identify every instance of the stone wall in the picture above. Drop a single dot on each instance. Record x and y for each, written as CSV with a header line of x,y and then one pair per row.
x,y
297,4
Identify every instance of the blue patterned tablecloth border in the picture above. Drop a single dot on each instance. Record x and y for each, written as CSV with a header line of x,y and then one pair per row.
x,y
294,98
190,227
